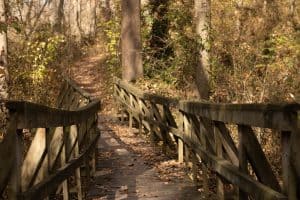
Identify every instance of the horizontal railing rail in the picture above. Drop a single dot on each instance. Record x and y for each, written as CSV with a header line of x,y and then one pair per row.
x,y
203,135
60,143
31,115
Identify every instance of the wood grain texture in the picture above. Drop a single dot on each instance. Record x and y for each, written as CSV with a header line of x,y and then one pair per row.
x,y
211,140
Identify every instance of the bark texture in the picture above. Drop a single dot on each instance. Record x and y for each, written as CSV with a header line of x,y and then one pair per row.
x,y
3,70
203,24
72,13
88,17
131,40
57,15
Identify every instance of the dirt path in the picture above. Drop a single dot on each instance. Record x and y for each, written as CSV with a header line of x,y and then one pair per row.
x,y
128,166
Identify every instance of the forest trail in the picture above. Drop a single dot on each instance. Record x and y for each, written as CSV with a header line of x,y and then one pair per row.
x,y
128,166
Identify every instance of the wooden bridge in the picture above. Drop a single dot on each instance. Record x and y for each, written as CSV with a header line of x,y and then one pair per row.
x,y
214,140
62,141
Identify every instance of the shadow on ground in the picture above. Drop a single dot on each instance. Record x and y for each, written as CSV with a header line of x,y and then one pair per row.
x,y
124,174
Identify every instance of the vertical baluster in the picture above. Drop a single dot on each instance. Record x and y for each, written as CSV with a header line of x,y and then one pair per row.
x,y
289,178
243,164
169,120
130,114
204,168
123,109
15,188
63,157
187,135
87,159
194,158
94,156
219,152
153,135
48,155
141,116
180,142
74,133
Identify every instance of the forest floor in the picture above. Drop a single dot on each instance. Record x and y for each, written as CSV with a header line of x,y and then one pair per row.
x,y
129,166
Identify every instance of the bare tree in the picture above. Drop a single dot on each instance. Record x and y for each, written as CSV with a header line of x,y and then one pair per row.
x,y
72,15
131,40
203,24
88,17
294,16
57,14
3,69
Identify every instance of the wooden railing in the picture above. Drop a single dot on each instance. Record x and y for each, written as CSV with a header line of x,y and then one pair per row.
x,y
203,135
61,145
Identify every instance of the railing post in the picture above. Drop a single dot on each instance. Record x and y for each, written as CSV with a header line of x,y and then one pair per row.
x,y
243,164
74,133
204,168
87,166
15,188
95,152
188,135
219,152
180,142
130,114
64,151
140,116
289,160
191,128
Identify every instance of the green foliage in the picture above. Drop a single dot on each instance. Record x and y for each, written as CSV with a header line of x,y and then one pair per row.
x,y
31,64
180,42
39,54
112,32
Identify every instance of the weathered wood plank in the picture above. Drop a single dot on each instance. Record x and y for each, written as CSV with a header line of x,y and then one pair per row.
x,y
75,153
258,160
55,146
34,158
45,148
6,151
243,162
82,92
61,94
219,153
282,117
65,184
32,115
14,187
138,93
231,173
290,182
227,142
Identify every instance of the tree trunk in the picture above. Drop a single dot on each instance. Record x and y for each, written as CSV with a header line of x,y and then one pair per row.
x,y
73,13
294,16
88,18
93,23
203,24
3,70
57,14
131,40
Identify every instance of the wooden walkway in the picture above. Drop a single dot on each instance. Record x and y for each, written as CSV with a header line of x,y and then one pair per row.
x,y
123,173
125,168
203,134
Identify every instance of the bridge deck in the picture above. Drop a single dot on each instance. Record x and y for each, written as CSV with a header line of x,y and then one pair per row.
x,y
130,168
